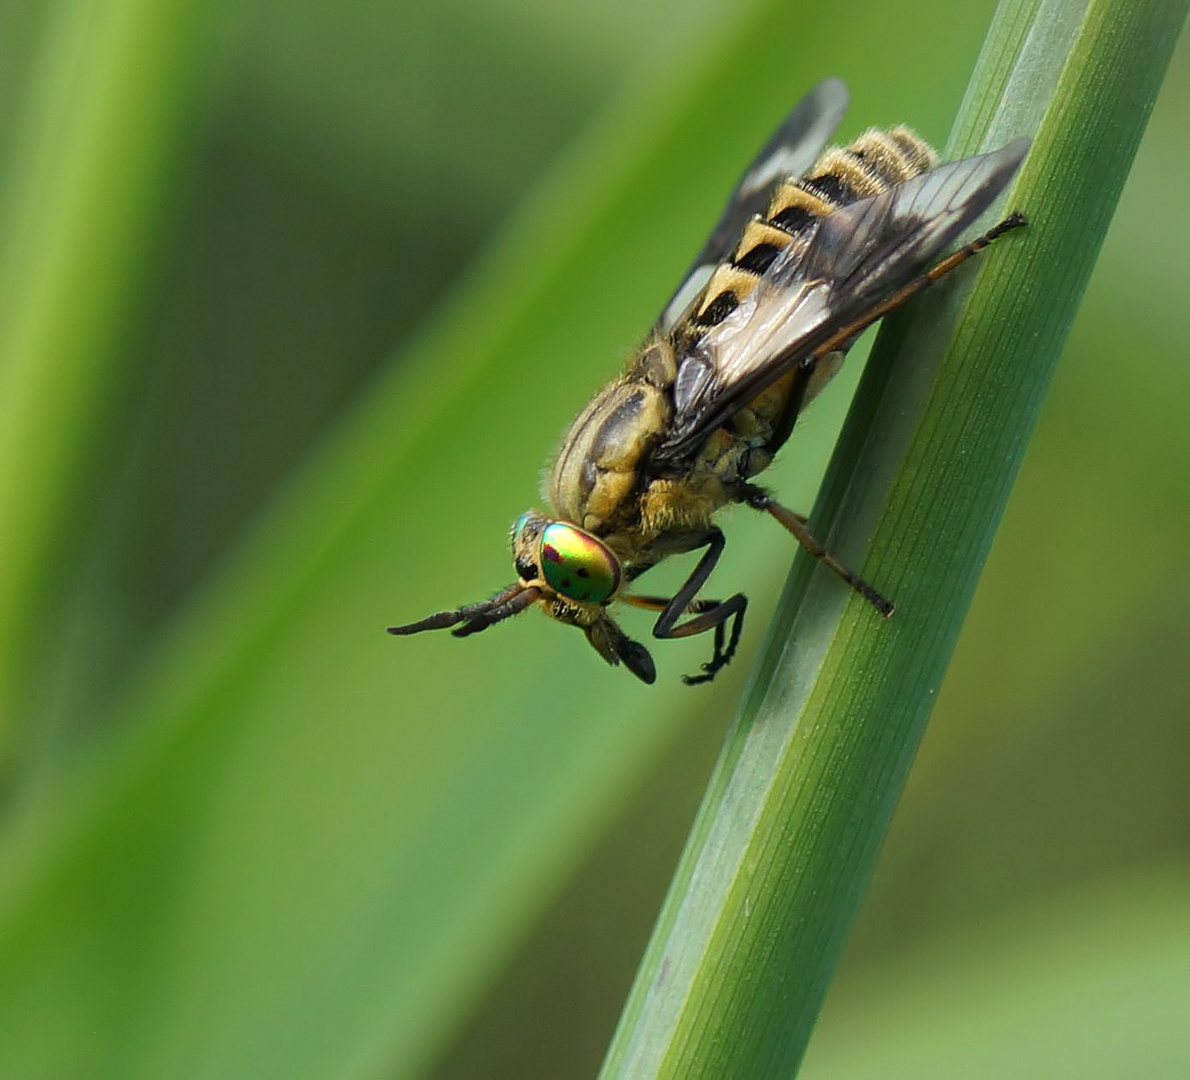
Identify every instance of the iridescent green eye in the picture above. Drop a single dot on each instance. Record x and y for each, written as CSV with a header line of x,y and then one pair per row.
x,y
577,565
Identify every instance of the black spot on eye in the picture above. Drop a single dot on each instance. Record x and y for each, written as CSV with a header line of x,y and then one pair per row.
x,y
792,219
833,189
759,259
718,309
582,571
566,583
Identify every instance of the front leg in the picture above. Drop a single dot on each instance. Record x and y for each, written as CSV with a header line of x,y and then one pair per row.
x,y
695,607
708,614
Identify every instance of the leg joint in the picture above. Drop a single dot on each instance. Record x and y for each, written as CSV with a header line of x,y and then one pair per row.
x,y
755,497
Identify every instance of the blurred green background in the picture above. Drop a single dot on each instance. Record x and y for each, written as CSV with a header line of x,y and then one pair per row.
x,y
383,253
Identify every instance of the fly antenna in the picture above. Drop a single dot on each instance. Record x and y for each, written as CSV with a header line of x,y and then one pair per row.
x,y
502,606
476,617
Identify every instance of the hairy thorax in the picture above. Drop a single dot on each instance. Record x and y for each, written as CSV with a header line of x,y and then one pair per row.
x,y
602,480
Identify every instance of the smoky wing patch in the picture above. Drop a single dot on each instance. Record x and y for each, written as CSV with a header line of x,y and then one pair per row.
x,y
873,246
796,144
850,259
790,151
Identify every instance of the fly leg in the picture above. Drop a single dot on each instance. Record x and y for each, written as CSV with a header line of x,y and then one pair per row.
x,y
759,499
695,607
708,614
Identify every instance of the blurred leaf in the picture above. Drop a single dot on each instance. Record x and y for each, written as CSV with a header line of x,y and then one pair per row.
x,y
1086,984
87,172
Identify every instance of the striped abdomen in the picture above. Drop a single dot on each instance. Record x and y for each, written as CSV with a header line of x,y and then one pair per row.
x,y
874,162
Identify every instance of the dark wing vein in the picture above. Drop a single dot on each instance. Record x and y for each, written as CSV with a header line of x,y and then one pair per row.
x,y
853,258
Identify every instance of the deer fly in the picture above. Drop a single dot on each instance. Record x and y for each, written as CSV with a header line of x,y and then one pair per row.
x,y
813,246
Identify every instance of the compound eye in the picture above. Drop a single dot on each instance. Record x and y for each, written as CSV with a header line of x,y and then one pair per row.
x,y
577,565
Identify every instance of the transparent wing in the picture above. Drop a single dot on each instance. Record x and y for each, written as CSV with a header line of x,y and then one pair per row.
x,y
853,258
791,150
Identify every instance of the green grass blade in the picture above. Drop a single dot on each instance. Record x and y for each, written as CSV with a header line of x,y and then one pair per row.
x,y
765,894
80,204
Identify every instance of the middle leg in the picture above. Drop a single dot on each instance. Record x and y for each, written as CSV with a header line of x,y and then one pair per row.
x,y
707,614
759,499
